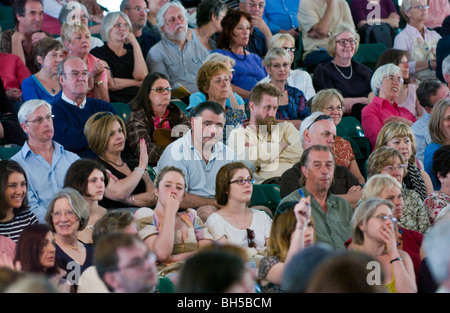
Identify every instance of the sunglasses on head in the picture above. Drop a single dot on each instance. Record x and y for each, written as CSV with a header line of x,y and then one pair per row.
x,y
320,118
99,116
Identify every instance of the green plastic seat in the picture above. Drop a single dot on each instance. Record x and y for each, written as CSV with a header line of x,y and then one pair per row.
x,y
165,285
123,110
267,195
8,151
180,104
368,54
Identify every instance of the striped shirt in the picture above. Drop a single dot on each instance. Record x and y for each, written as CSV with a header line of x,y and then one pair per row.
x,y
14,227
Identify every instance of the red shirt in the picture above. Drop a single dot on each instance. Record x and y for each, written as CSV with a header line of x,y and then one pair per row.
x,y
12,70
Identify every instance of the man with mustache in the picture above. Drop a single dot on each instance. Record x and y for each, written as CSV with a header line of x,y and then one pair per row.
x,y
271,146
176,55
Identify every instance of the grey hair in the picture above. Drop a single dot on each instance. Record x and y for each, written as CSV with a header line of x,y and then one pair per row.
x,y
29,107
160,16
217,57
307,122
278,39
66,9
380,73
274,53
446,65
61,64
436,245
108,22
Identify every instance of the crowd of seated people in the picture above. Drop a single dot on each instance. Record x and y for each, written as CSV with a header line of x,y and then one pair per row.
x,y
222,99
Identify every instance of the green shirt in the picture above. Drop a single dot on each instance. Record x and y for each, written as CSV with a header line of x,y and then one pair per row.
x,y
332,227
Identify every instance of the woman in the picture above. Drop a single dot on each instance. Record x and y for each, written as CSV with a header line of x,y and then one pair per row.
x,y
297,78
418,40
129,183
235,222
77,41
213,80
292,104
386,187
373,233
14,211
36,251
232,41
67,215
350,77
209,16
172,234
386,83
151,112
399,136
386,160
89,178
44,84
127,67
292,230
330,102
408,97
439,126
439,199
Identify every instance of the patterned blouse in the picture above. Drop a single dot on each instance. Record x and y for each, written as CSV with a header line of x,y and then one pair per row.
x,y
264,267
343,152
415,216
414,181
296,109
435,202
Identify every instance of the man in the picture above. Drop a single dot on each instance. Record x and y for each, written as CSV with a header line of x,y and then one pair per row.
x,y
446,70
176,55
45,161
73,109
124,264
153,9
260,35
428,93
270,146
319,129
200,155
28,17
137,11
317,19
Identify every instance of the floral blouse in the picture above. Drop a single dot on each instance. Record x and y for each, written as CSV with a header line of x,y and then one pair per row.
x,y
343,152
434,203
264,267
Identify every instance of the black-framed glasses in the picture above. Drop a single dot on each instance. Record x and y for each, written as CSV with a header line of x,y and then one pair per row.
x,y
290,49
100,115
320,118
162,89
242,181
344,41
384,218
41,119
251,238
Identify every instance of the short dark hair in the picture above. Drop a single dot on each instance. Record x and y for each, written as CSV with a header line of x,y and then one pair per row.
x,y
441,162
19,8
208,7
78,173
229,22
305,158
208,105
8,167
426,89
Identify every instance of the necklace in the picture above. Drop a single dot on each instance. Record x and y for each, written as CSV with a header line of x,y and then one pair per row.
x,y
123,162
74,247
235,55
351,71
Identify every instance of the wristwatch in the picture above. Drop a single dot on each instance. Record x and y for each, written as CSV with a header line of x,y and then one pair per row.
x,y
98,83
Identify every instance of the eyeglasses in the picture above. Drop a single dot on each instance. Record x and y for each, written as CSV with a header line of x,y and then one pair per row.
x,y
120,25
421,7
320,118
138,263
343,42
284,65
251,237
69,214
332,108
162,89
41,119
242,181
76,74
289,49
100,115
393,78
140,9
384,218
392,168
254,5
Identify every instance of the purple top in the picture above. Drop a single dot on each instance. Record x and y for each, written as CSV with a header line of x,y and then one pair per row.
x,y
361,9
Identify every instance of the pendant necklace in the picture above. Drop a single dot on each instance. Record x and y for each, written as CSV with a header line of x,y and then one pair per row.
x,y
351,71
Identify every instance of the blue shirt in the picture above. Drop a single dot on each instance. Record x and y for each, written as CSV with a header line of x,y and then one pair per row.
x,y
281,14
200,177
428,163
44,179
198,97
33,89
422,135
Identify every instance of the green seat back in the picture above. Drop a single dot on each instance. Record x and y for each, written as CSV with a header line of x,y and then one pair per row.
x,y
6,13
165,285
267,195
180,104
122,109
368,54
8,151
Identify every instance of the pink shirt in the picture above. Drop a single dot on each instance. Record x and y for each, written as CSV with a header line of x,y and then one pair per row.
x,y
374,114
104,76
438,11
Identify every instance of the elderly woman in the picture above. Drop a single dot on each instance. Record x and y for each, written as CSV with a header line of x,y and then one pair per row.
x,y
407,98
127,66
439,199
386,160
129,183
44,84
330,102
386,84
292,105
418,40
373,233
439,126
297,78
77,41
67,215
232,41
350,77
152,112
213,80
399,136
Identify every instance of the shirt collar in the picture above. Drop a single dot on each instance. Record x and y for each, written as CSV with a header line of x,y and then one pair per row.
x,y
65,98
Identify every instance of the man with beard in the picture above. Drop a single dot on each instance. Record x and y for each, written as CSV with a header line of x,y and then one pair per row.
x,y
73,109
176,55
271,146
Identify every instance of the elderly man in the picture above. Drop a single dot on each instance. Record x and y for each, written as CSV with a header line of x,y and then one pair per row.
x,y
176,55
28,17
319,129
45,161
261,34
428,93
332,214
73,109
137,11
271,146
